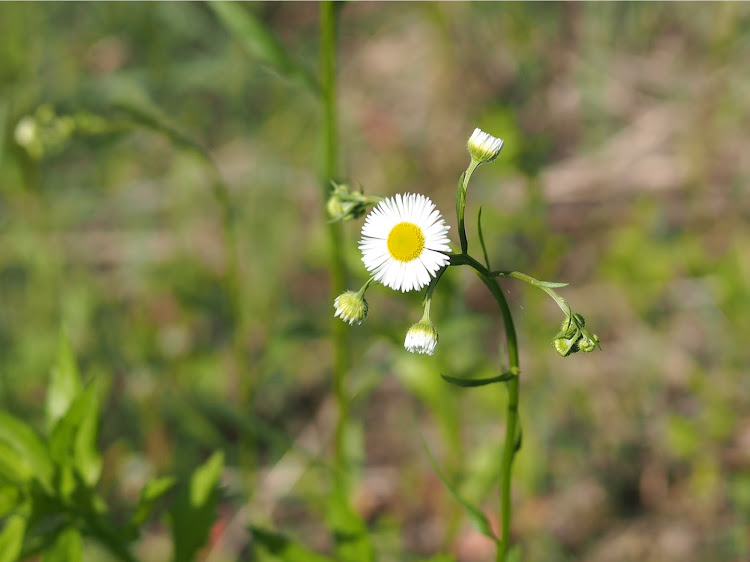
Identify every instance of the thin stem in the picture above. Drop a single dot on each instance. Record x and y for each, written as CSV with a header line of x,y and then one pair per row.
x,y
513,387
328,172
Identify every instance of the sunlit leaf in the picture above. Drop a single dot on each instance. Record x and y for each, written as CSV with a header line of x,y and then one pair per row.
x,y
68,547
73,439
9,498
11,538
24,441
65,382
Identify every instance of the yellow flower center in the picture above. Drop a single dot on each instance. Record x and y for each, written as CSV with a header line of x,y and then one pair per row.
x,y
405,242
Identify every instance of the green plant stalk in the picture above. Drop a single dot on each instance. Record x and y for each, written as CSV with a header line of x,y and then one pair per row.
x,y
513,386
328,172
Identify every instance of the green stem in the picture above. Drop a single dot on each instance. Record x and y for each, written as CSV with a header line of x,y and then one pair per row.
x,y
513,385
328,172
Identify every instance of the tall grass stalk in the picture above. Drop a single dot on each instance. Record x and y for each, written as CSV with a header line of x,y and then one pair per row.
x,y
329,171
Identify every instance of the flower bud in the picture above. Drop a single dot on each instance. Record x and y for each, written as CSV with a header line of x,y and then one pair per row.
x,y
351,307
483,147
565,346
422,337
588,343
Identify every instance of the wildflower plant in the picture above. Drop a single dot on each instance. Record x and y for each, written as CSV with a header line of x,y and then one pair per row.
x,y
405,247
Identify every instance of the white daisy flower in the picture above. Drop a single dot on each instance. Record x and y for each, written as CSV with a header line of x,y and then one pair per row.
x,y
422,337
483,147
402,242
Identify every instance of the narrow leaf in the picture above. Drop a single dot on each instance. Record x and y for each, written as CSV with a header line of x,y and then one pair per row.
x,y
11,538
477,518
260,42
73,439
87,459
194,512
13,465
151,493
65,382
552,284
460,210
481,239
284,548
205,479
477,382
68,547
22,439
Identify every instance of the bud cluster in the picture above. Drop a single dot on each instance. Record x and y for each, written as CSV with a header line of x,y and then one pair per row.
x,y
45,132
345,204
573,337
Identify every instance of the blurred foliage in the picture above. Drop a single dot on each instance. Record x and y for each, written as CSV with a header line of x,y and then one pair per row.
x,y
623,174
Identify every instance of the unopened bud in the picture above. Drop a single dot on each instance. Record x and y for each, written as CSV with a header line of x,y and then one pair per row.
x,y
483,147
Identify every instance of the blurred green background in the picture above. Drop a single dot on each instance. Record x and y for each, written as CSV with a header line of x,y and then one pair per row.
x,y
624,173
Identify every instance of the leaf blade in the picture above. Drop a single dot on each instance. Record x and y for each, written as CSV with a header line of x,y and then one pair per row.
x,y
469,383
477,518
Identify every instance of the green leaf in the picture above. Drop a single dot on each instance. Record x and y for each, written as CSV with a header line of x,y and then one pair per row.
x,y
11,538
68,547
87,459
477,382
73,441
481,239
284,548
260,42
10,497
195,510
350,534
151,493
65,382
205,480
13,466
460,211
551,284
477,518
27,444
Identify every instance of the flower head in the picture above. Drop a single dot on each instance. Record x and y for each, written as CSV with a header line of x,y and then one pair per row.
x,y
422,337
402,242
483,147
351,307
